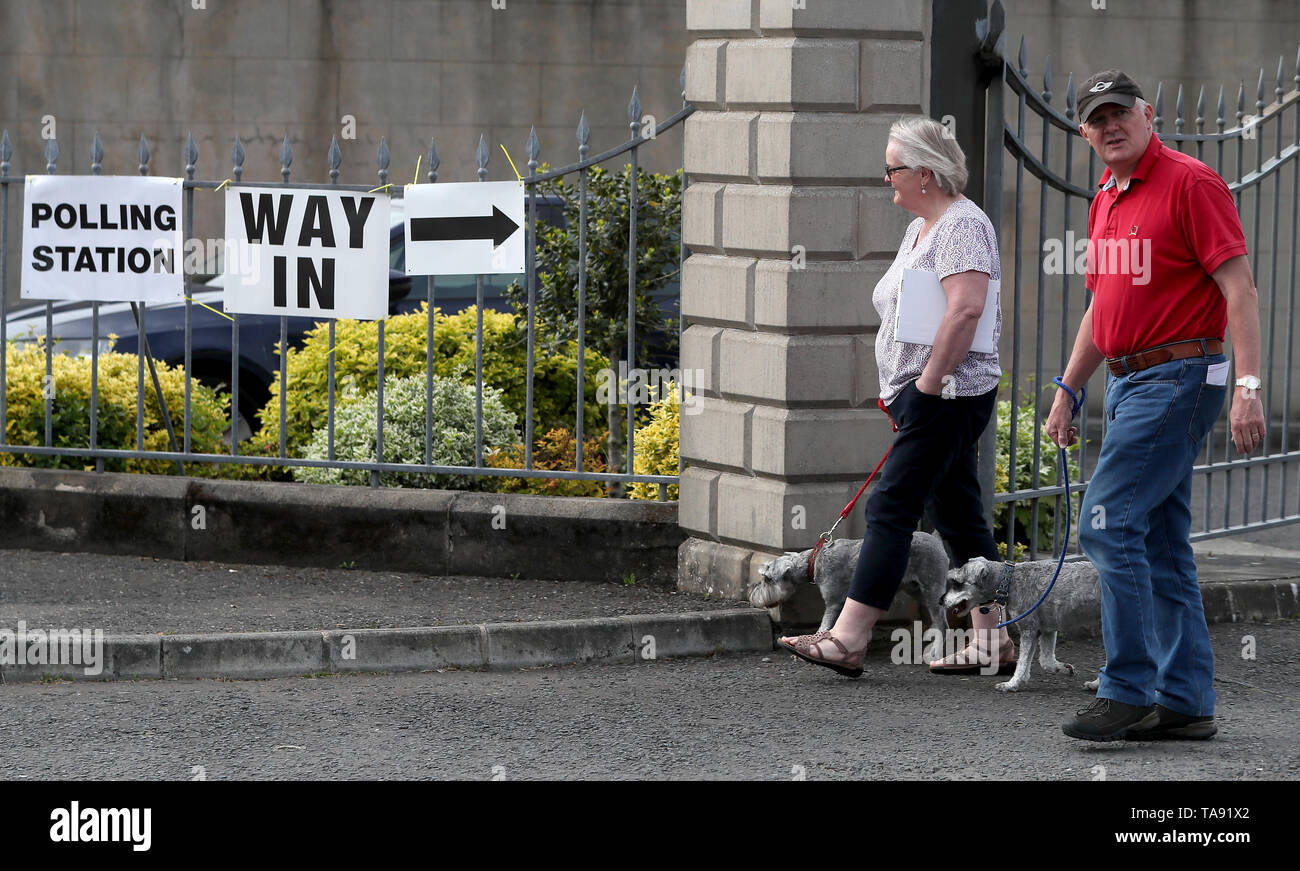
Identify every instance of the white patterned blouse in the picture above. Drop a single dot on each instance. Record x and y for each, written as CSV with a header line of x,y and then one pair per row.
x,y
961,240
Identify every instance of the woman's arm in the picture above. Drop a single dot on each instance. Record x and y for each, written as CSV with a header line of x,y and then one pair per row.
x,y
966,292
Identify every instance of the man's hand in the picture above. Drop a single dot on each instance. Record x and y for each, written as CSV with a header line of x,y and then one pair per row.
x,y
1058,426
1246,419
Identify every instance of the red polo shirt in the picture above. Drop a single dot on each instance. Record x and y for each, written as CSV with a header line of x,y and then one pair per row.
x,y
1152,249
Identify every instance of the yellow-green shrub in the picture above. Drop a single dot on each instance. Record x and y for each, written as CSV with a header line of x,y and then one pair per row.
x,y
356,351
655,445
70,413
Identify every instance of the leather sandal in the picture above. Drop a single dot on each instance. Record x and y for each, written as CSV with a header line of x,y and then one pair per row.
x,y
803,648
973,661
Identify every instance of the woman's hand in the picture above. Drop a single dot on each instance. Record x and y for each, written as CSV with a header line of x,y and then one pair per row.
x,y
928,386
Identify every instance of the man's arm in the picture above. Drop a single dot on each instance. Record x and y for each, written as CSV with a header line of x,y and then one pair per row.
x,y
1084,360
1246,418
966,292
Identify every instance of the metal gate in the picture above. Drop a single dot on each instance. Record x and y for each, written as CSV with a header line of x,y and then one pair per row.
x,y
1255,147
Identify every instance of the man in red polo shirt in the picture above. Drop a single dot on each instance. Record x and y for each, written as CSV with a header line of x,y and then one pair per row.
x,y
1168,270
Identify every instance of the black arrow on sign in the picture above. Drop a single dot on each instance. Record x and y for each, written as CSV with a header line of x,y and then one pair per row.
x,y
498,228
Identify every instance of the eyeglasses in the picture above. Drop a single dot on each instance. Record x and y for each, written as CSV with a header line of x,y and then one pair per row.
x,y
890,170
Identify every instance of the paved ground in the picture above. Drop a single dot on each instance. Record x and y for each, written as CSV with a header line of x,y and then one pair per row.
x,y
129,594
732,717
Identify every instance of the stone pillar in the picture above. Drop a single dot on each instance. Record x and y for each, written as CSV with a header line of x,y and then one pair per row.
x,y
790,224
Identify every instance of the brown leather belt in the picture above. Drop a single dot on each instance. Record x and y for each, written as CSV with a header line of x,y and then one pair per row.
x,y
1163,354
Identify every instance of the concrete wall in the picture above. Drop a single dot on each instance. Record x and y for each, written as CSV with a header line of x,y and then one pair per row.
x,y
410,70
437,532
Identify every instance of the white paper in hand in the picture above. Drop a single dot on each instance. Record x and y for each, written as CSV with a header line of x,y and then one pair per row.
x,y
922,305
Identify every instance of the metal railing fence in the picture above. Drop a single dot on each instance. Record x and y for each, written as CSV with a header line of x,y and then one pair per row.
x,y
1231,494
181,445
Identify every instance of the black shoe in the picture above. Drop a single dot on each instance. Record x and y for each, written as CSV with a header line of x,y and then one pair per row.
x,y
1105,720
1163,723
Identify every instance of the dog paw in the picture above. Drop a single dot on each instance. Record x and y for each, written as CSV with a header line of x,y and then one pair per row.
x,y
1009,686
1059,668
1093,685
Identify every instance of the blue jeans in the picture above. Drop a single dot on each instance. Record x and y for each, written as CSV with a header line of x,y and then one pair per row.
x,y
1134,526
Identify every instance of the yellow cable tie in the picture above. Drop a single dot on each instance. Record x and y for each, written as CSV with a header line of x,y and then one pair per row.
x,y
382,187
417,169
210,308
220,186
512,164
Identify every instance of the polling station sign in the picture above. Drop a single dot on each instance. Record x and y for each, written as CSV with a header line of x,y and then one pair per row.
x,y
464,228
102,238
311,252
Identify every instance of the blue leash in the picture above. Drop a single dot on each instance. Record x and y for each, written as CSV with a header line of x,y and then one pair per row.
x,y
1004,587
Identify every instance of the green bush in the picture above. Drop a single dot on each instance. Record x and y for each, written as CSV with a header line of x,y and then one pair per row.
x,y
404,431
25,390
657,255
1028,428
356,352
656,443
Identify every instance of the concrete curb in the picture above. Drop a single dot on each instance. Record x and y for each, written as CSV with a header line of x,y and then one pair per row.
x,y
1250,601
259,655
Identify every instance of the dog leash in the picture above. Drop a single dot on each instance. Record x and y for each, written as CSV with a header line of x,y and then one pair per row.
x,y
1004,585
825,538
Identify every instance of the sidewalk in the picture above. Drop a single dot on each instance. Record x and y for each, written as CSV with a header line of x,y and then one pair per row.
x,y
168,619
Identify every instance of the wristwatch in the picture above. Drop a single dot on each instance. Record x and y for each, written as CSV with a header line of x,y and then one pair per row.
x,y
1250,382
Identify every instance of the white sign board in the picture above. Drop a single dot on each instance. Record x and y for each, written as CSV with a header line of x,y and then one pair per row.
x,y
310,252
468,228
102,238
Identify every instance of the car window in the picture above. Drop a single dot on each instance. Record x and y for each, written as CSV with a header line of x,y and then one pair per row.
x,y
397,252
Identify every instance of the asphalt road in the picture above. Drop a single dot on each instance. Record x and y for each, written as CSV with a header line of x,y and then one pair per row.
x,y
727,717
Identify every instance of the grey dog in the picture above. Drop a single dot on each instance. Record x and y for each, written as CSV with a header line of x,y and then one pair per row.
x,y
924,579
1073,605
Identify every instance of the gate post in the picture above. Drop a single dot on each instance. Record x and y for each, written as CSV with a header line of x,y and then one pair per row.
x,y
990,32
790,224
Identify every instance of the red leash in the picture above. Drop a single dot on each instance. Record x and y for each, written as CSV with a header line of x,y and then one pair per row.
x,y
825,538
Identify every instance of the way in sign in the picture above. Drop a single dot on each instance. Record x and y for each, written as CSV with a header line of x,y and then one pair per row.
x,y
313,252
270,223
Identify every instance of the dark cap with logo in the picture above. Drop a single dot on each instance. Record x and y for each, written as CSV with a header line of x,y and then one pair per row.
x,y
1107,86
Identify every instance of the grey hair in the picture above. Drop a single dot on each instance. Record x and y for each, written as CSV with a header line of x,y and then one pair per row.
x,y
925,143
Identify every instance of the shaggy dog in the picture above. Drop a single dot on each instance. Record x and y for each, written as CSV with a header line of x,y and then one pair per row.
x,y
1073,605
924,580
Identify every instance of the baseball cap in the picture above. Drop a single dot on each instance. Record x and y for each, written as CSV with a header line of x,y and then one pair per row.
x,y
1106,86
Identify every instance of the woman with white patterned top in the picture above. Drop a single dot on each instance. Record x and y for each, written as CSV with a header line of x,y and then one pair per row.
x,y
940,397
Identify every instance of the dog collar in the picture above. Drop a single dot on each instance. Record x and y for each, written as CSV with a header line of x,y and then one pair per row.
x,y
822,541
1004,584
